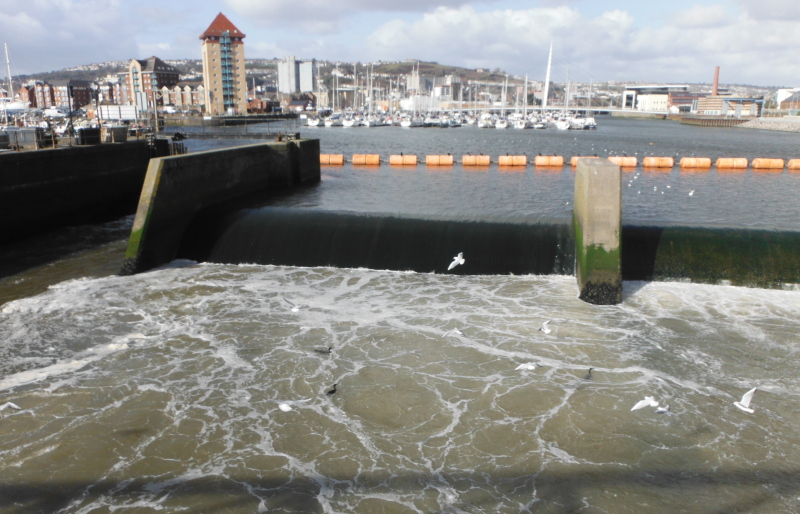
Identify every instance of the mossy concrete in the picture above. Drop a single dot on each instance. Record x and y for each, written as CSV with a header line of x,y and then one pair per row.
x,y
597,223
177,188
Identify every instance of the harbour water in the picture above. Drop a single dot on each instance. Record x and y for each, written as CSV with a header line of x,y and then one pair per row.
x,y
196,386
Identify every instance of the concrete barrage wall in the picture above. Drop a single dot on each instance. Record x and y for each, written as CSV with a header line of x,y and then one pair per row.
x,y
177,188
47,189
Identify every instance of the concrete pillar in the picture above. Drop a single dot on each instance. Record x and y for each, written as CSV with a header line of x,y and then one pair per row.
x,y
597,221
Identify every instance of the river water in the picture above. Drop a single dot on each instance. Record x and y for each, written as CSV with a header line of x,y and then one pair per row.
x,y
196,386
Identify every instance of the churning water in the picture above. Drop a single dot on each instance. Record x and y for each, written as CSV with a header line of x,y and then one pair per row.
x,y
197,387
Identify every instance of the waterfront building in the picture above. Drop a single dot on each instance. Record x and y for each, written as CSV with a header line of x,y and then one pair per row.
x,y
783,94
684,102
45,97
71,94
224,79
728,105
654,98
297,76
790,102
145,80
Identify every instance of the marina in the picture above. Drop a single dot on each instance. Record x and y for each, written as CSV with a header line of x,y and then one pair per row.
x,y
199,384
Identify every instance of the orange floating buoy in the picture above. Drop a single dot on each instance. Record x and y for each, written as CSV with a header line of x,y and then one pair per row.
x,y
512,160
658,162
331,159
403,160
695,162
549,160
574,161
793,164
439,160
767,164
475,160
731,163
366,159
624,161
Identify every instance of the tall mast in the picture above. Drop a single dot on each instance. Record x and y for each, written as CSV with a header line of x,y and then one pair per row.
x,y
525,97
547,79
8,67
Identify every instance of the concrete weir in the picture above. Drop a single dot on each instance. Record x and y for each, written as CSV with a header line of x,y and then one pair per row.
x,y
177,188
597,221
47,189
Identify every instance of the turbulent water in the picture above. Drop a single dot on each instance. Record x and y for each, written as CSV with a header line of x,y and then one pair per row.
x,y
197,387
165,390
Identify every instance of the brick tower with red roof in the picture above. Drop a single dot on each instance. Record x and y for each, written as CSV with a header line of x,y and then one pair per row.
x,y
224,76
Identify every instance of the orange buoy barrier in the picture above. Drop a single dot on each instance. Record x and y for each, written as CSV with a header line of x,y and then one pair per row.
x,y
731,163
475,160
574,161
548,160
512,160
439,160
403,160
366,159
331,159
793,164
658,162
696,162
767,164
624,161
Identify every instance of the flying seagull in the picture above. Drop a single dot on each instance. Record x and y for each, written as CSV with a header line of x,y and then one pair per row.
x,y
294,307
458,259
544,328
648,401
9,405
455,332
744,403
529,366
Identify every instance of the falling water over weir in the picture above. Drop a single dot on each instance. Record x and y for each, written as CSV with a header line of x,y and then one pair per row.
x,y
169,389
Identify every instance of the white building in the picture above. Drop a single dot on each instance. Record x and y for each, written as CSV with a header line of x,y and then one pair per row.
x,y
650,98
297,76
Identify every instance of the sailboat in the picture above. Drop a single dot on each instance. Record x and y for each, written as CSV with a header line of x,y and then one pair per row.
x,y
8,105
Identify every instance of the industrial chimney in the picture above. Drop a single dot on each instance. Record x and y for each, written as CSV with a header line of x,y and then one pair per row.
x,y
715,89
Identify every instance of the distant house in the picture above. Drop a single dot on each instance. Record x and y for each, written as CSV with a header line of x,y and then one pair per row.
x,y
145,77
71,94
791,102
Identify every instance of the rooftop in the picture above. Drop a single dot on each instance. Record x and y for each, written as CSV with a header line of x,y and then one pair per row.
x,y
220,25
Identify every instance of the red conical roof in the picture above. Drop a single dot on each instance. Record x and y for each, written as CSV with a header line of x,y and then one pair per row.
x,y
220,24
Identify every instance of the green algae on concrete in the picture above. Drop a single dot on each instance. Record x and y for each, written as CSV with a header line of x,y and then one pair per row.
x,y
597,224
177,188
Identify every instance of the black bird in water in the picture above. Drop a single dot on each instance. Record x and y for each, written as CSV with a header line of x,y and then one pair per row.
x,y
324,350
332,391
588,375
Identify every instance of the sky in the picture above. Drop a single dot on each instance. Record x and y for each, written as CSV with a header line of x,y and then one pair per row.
x,y
681,41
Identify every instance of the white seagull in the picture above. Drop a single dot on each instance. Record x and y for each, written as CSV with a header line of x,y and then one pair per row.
x,y
544,328
458,259
455,331
648,401
744,403
9,405
294,307
691,193
286,405
663,410
529,366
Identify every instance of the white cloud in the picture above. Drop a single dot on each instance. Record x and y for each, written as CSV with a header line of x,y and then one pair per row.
x,y
327,16
608,46
52,34
784,10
